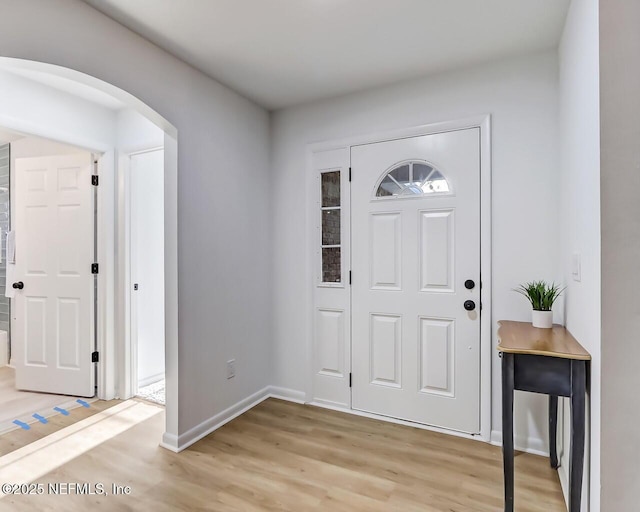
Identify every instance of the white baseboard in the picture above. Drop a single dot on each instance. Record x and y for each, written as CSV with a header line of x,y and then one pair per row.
x,y
170,442
191,436
150,380
563,473
205,428
291,395
533,445
178,443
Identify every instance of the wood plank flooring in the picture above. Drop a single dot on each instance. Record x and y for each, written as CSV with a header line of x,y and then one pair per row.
x,y
284,456
18,438
20,405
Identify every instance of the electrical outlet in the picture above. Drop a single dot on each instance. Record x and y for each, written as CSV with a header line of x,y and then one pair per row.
x,y
231,368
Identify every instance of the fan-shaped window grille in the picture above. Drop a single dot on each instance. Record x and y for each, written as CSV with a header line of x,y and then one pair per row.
x,y
410,179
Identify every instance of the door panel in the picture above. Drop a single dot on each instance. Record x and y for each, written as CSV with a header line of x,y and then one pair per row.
x,y
330,345
415,240
386,350
54,315
436,266
386,247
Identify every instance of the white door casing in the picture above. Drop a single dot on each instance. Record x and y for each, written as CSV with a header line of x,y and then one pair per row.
x,y
53,335
415,349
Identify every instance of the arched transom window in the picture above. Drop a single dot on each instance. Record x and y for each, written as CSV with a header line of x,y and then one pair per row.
x,y
412,178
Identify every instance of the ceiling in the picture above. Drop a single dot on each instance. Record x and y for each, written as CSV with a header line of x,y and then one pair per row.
x,y
286,52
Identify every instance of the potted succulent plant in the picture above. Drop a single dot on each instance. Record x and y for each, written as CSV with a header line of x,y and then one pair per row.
x,y
541,295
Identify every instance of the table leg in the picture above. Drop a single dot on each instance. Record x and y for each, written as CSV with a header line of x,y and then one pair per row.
x,y
553,431
576,465
507,428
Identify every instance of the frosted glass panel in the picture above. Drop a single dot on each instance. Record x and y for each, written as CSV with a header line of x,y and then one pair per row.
x,y
331,188
331,265
331,227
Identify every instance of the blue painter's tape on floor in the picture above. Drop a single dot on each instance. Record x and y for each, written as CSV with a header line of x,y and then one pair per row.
x,y
22,424
41,419
83,403
62,411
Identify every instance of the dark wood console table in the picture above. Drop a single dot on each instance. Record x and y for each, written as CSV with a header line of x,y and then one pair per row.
x,y
552,362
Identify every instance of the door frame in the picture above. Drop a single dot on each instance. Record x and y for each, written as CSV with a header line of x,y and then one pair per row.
x,y
483,122
128,379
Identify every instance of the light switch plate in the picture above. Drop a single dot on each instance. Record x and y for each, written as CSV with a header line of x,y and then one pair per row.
x,y
576,264
231,369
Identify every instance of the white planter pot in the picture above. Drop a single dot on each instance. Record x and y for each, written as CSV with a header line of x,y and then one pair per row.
x,y
542,319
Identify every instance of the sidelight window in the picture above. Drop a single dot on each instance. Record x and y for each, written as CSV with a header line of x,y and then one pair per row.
x,y
331,227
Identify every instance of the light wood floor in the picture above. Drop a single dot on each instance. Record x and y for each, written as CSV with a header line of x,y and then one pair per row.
x,y
20,405
283,456
19,438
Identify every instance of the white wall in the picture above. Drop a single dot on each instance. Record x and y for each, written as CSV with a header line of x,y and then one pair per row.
x,y
36,109
134,132
580,213
223,199
620,208
521,96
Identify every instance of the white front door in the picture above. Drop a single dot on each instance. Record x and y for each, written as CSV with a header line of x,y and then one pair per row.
x,y
415,243
53,335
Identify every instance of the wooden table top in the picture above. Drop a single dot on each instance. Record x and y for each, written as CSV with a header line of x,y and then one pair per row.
x,y
523,338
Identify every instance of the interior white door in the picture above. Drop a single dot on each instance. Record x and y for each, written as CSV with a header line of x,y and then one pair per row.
x,y
53,335
147,265
415,242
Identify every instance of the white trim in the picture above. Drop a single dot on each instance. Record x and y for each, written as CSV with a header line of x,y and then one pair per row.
x,y
563,475
290,395
486,294
533,445
170,442
205,428
107,367
483,122
151,380
194,434
128,379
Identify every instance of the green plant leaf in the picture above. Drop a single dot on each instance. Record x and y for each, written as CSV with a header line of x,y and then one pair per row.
x,y
540,294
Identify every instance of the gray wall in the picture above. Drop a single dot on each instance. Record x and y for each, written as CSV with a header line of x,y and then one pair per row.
x,y
4,226
620,202
223,192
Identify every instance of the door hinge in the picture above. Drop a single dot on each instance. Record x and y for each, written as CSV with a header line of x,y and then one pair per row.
x,y
350,379
94,268
349,173
95,358
350,279
94,180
